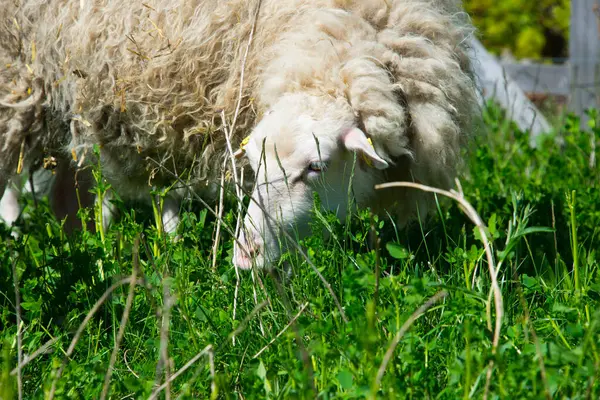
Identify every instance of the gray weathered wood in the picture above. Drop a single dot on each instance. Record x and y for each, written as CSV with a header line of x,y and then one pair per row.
x,y
498,85
584,55
540,78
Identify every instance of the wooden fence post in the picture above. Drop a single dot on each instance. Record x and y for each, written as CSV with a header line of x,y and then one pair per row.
x,y
498,85
584,56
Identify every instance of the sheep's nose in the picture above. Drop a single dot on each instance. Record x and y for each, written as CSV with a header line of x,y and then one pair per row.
x,y
253,244
248,249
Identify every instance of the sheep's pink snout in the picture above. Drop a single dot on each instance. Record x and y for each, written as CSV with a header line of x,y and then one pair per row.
x,y
249,248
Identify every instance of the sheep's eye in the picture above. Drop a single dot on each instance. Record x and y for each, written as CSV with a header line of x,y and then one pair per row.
x,y
317,166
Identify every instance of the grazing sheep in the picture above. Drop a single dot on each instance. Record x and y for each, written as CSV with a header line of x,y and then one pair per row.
x,y
389,81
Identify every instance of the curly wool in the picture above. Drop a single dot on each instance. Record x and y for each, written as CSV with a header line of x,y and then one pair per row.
x,y
149,82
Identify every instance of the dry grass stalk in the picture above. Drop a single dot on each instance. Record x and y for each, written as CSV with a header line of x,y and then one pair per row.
x,y
82,326
239,194
211,365
255,297
282,331
237,270
163,361
245,321
403,329
207,350
19,333
41,350
127,365
228,133
468,209
536,341
241,91
304,356
217,239
124,318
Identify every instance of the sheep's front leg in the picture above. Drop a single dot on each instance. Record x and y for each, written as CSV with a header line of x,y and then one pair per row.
x,y
10,209
39,184
3,185
109,211
170,215
9,206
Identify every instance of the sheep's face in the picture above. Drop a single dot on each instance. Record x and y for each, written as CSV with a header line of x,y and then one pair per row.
x,y
303,145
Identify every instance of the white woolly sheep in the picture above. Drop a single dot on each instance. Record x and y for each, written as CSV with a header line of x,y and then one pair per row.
x,y
149,82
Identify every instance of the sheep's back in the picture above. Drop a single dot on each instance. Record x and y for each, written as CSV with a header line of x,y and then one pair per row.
x,y
150,80
141,79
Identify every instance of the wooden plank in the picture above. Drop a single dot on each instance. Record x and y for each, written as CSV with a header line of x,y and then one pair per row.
x,y
496,84
540,78
584,54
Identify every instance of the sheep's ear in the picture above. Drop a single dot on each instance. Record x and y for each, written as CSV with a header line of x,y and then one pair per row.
x,y
356,140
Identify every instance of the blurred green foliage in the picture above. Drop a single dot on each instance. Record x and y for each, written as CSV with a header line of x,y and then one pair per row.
x,y
524,27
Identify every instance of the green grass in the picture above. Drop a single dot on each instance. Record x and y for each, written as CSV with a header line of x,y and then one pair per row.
x,y
542,211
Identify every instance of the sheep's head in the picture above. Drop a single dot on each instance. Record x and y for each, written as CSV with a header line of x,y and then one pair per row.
x,y
304,144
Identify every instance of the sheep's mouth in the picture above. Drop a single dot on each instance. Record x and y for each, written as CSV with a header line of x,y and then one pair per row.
x,y
243,262
244,259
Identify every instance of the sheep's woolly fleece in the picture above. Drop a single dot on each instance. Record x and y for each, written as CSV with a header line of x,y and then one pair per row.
x,y
150,80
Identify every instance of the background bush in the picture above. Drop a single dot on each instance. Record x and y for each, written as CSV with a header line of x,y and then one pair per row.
x,y
529,29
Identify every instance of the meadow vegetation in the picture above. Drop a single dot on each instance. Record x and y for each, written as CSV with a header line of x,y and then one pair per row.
x,y
415,317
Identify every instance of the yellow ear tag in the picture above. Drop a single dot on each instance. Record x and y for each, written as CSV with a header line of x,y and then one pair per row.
x,y
366,159
240,152
244,142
